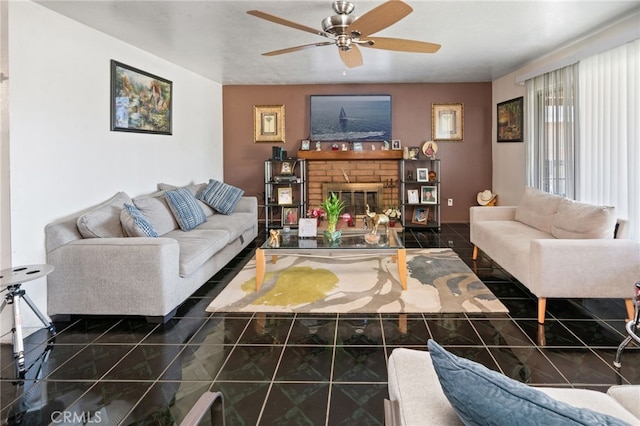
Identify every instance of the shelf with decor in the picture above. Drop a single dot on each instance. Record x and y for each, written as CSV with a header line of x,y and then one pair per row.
x,y
420,193
378,154
285,199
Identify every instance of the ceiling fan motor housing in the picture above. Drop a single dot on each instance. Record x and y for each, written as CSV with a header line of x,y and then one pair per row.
x,y
337,24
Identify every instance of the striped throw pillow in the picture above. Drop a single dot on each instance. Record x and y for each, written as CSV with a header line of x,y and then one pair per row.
x,y
135,224
185,208
221,196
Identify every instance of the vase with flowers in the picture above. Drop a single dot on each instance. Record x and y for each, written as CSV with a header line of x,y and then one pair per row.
x,y
394,214
332,207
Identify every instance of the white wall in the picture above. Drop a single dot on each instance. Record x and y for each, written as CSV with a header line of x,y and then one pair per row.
x,y
63,157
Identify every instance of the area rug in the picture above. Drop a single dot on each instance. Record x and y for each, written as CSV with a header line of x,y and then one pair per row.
x,y
437,281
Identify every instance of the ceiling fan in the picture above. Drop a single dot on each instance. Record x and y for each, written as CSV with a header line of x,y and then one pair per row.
x,y
348,31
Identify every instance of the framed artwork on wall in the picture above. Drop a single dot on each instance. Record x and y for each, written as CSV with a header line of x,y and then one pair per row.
x,y
447,122
510,118
268,123
140,102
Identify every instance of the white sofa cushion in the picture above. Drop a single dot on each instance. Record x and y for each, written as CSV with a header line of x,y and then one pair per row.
x,y
537,209
103,221
155,208
578,220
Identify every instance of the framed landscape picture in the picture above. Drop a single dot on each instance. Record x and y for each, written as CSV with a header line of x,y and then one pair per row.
x,y
510,119
140,102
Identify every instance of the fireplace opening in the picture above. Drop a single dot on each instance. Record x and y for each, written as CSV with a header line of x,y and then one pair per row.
x,y
357,196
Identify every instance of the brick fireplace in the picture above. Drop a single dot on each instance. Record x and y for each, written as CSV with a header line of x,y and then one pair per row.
x,y
380,177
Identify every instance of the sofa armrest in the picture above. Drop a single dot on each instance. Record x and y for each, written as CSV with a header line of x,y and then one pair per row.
x,y
601,268
247,205
481,213
89,272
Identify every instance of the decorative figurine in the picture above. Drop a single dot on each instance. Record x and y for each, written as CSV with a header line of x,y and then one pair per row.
x,y
344,147
274,238
318,146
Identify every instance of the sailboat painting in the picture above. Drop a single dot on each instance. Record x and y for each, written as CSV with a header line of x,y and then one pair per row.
x,y
346,118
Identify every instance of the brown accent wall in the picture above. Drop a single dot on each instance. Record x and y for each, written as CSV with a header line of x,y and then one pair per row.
x,y
465,166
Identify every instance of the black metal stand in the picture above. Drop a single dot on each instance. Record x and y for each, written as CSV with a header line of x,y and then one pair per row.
x,y
14,279
632,328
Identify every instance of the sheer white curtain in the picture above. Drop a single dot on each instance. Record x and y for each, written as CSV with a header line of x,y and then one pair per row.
x,y
551,131
608,155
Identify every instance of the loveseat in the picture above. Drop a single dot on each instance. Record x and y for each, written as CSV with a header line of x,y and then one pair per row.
x,y
559,248
421,385
145,256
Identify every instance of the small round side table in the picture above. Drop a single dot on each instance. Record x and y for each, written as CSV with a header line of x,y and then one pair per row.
x,y
12,279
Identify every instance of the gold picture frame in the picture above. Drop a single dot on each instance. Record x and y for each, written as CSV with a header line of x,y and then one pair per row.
x,y
268,123
447,122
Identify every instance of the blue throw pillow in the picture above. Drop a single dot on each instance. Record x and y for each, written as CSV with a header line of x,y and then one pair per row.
x,y
481,396
221,196
135,224
185,208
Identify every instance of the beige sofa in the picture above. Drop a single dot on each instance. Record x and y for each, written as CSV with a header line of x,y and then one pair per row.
x,y
99,270
559,248
416,396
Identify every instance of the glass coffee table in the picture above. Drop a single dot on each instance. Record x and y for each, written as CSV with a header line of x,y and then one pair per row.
x,y
351,244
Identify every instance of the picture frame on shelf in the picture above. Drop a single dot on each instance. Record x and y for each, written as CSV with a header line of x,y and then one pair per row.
x,y
420,216
286,167
396,145
414,153
285,195
413,196
127,86
509,116
357,146
422,174
289,216
268,123
305,145
447,122
429,194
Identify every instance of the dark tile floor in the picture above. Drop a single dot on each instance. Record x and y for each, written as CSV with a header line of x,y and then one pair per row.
x,y
300,369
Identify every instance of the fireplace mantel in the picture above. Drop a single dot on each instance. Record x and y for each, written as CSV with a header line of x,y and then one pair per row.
x,y
350,155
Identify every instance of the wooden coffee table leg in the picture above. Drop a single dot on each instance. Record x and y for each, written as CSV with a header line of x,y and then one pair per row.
x,y
261,265
402,267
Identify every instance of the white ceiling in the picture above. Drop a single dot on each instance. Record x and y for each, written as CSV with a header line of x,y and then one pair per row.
x,y
481,40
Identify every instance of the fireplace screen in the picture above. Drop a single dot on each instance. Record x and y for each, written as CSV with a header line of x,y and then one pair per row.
x,y
356,196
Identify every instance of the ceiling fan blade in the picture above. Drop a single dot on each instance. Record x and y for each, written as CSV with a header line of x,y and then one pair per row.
x,y
286,23
380,18
401,45
351,58
296,48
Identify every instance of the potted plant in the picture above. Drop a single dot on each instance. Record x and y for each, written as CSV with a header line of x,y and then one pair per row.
x,y
332,207
394,214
